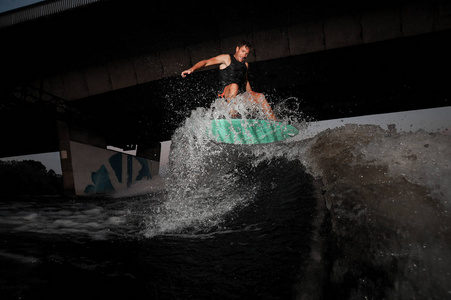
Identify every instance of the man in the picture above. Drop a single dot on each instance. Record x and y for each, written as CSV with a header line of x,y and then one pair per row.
x,y
233,77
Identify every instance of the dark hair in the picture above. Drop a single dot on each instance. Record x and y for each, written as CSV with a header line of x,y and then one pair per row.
x,y
247,44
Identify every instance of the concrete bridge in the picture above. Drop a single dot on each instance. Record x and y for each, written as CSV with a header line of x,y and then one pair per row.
x,y
107,45
114,61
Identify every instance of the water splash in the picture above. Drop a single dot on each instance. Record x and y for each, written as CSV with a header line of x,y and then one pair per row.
x,y
204,182
386,198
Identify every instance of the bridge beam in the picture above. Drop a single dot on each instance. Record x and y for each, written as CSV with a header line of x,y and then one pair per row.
x,y
312,35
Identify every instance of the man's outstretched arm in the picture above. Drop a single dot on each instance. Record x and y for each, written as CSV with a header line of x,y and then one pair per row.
x,y
217,60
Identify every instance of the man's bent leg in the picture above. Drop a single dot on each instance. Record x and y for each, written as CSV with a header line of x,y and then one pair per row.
x,y
260,99
231,91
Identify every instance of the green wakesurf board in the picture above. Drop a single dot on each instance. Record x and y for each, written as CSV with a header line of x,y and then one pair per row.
x,y
250,131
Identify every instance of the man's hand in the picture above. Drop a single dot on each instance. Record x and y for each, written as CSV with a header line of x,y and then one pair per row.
x,y
186,72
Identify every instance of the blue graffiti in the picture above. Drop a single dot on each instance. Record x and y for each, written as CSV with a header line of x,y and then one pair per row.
x,y
102,182
145,170
116,163
129,171
101,178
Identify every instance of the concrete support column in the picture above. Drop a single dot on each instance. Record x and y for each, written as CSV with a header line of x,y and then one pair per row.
x,y
66,157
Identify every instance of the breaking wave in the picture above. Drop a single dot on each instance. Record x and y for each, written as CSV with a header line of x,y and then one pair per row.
x,y
386,199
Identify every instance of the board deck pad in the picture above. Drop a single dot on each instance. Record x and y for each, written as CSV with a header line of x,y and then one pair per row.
x,y
250,131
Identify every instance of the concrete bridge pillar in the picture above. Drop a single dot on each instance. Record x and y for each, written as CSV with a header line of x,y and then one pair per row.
x,y
66,157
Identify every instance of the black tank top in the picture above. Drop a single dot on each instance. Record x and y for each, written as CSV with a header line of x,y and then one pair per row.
x,y
233,73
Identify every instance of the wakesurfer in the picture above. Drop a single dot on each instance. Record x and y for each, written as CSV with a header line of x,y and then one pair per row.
x,y
233,78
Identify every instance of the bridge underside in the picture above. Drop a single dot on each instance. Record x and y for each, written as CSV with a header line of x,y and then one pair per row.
x,y
26,132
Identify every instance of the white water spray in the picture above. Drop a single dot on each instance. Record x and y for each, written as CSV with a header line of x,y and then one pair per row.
x,y
202,181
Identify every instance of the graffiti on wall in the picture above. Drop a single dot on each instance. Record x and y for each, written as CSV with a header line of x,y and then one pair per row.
x,y
101,182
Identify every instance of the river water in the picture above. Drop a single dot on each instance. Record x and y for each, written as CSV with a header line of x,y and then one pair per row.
x,y
356,212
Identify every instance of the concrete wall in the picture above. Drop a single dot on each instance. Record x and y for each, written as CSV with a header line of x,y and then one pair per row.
x,y
102,171
297,38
